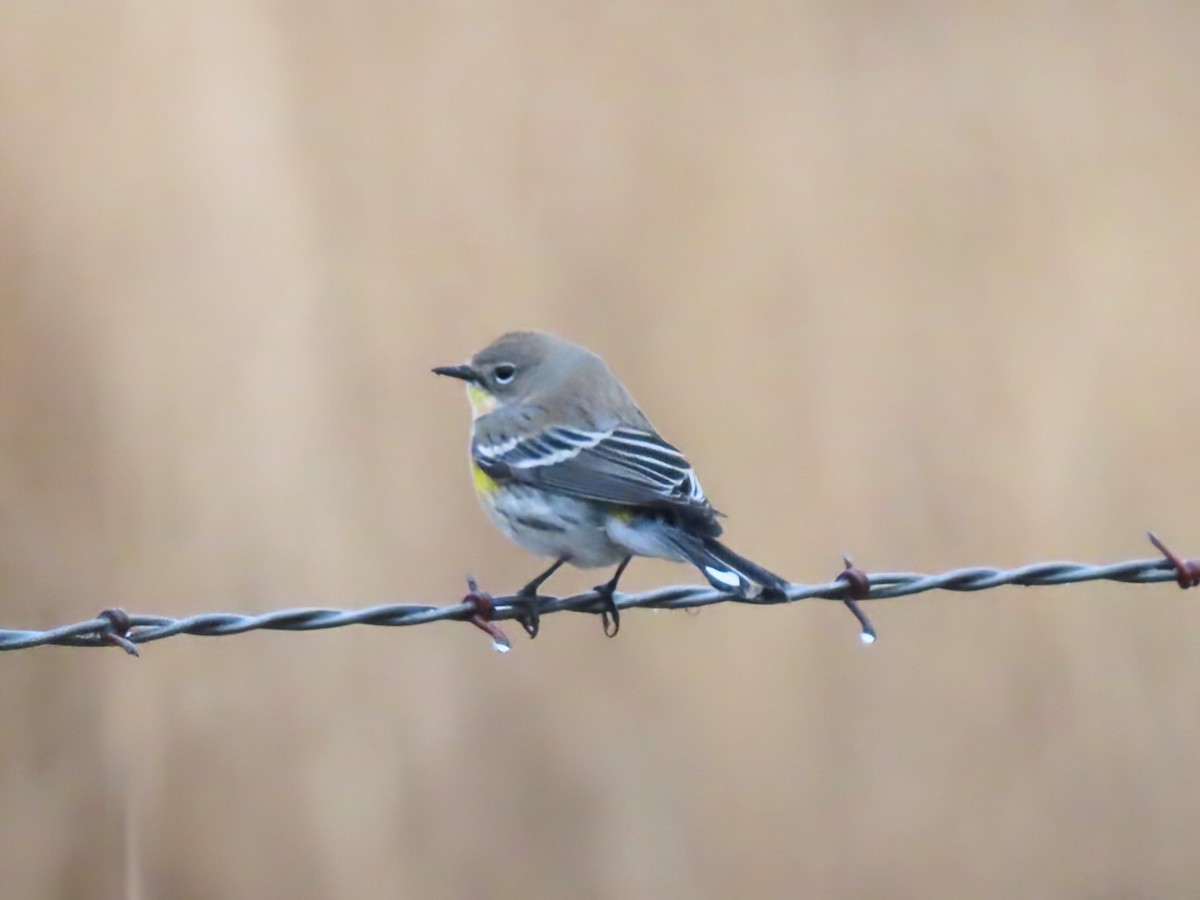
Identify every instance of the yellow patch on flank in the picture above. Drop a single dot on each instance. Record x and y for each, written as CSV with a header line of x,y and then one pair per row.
x,y
481,401
484,483
624,513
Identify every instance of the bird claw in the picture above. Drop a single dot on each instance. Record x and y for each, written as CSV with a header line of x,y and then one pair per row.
x,y
609,612
526,602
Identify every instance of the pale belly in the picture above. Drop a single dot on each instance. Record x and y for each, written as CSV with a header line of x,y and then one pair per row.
x,y
554,526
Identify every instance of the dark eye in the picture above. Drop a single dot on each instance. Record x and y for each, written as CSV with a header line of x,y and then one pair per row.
x,y
504,373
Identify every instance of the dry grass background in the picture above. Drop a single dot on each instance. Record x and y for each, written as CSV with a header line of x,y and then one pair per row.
x,y
914,280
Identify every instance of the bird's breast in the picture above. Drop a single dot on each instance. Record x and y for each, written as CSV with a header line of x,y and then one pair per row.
x,y
485,484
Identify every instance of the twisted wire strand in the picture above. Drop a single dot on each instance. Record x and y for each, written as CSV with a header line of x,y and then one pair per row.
x,y
116,628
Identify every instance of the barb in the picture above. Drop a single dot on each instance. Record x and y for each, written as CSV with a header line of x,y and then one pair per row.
x,y
114,627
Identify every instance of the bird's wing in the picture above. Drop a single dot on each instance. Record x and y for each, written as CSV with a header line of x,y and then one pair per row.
x,y
615,465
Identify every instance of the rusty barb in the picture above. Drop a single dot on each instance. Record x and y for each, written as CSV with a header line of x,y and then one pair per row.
x,y
1187,571
851,586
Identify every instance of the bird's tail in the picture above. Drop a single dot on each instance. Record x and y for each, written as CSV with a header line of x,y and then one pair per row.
x,y
729,571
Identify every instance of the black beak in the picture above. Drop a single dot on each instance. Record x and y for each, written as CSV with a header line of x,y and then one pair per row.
x,y
463,373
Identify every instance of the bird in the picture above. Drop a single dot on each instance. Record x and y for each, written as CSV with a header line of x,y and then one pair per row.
x,y
568,466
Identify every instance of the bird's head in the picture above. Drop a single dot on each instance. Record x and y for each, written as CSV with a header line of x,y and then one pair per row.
x,y
513,368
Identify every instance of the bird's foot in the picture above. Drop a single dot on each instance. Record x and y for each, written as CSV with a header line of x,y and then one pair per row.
x,y
606,594
609,612
525,602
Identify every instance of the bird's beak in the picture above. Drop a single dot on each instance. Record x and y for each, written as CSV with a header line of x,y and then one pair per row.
x,y
463,373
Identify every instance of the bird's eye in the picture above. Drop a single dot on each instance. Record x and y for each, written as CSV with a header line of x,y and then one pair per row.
x,y
504,373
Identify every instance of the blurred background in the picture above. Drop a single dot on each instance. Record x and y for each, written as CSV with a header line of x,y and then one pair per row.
x,y
915,281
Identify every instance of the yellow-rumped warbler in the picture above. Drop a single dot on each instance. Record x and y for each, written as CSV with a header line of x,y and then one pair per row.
x,y
568,467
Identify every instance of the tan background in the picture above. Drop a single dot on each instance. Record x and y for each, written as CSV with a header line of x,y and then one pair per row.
x,y
913,280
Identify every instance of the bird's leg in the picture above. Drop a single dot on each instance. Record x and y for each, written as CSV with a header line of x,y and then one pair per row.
x,y
527,599
605,592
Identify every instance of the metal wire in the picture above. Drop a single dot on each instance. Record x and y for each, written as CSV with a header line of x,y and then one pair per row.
x,y
116,628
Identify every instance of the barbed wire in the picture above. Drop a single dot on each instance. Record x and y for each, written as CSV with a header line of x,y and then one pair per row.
x,y
114,627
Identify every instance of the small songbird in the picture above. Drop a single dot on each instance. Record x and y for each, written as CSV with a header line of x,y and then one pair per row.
x,y
568,466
